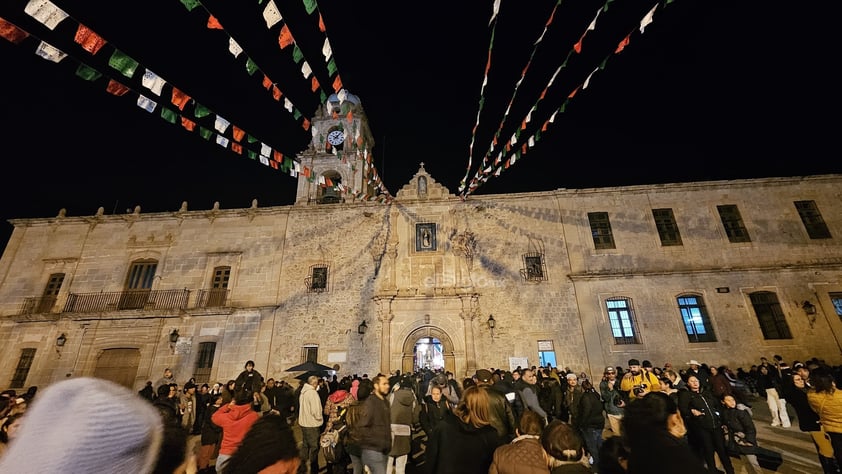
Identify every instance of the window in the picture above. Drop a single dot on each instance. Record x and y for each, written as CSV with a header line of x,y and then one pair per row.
x,y
546,354
667,228
317,281
812,219
138,284
836,301
621,318
733,223
770,316
22,370
330,191
695,317
48,298
219,287
310,353
601,230
204,362
534,268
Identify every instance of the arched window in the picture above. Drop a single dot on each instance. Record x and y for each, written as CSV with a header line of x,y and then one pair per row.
x,y
695,317
329,188
621,318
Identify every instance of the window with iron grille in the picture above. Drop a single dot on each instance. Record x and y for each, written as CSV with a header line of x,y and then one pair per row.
x,y
813,222
48,298
534,268
22,370
732,221
621,318
310,353
695,317
204,362
770,315
601,230
667,228
317,281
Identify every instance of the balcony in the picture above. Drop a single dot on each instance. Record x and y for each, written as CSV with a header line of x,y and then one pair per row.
x,y
44,307
213,298
126,300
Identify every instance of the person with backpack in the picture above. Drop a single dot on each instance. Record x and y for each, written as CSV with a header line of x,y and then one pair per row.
x,y
404,412
500,411
550,395
336,411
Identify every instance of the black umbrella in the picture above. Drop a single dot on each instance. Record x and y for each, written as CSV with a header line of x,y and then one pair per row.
x,y
309,366
306,375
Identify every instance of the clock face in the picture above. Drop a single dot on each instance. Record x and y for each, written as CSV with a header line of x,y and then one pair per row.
x,y
336,137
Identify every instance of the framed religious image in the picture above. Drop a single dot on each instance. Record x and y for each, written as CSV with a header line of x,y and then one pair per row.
x,y
425,237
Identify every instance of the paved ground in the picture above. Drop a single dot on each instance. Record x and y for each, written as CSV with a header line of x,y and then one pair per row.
x,y
796,447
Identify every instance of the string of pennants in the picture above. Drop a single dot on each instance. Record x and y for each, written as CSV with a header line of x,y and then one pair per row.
x,y
192,116
272,17
511,150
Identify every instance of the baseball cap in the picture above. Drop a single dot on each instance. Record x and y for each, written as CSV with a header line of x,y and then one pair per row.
x,y
610,369
483,375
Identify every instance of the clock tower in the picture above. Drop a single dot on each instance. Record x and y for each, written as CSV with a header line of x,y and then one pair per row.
x,y
335,165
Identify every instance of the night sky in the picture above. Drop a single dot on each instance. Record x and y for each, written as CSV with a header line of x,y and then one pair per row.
x,y
710,90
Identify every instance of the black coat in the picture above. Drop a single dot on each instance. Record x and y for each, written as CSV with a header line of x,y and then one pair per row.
x,y
432,414
458,448
589,414
739,421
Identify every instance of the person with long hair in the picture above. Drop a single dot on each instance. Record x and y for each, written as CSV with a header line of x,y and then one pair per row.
x,y
269,446
826,400
464,443
701,412
654,433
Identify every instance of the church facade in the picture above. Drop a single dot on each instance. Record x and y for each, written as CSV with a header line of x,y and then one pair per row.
x,y
723,272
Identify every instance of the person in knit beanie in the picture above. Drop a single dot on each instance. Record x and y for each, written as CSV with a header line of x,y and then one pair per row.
x,y
86,425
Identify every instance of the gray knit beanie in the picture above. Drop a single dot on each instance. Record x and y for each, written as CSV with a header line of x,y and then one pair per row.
x,y
86,425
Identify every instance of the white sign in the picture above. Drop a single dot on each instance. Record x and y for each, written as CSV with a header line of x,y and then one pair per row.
x,y
545,345
337,356
514,362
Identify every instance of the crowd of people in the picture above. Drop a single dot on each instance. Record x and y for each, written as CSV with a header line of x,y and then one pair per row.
x,y
633,419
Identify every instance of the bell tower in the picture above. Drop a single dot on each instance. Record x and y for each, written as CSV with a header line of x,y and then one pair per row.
x,y
335,167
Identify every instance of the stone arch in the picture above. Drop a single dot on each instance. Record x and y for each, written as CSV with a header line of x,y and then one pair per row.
x,y
448,349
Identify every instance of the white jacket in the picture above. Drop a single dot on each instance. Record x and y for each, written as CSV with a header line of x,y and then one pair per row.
x,y
310,408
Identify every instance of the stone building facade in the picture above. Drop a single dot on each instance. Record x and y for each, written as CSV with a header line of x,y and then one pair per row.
x,y
723,272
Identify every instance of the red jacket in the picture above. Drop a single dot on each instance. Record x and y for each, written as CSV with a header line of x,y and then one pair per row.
x,y
235,421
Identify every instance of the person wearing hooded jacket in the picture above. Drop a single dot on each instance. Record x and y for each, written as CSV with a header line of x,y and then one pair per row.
x,y
310,420
235,419
404,409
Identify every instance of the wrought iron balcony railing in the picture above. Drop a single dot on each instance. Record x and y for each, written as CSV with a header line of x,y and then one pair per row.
x,y
38,304
212,298
129,299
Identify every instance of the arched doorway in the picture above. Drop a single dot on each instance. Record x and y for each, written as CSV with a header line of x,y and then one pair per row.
x,y
428,345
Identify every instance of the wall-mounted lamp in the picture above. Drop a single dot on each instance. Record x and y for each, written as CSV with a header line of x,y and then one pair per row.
x,y
810,311
60,342
362,328
173,339
491,324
